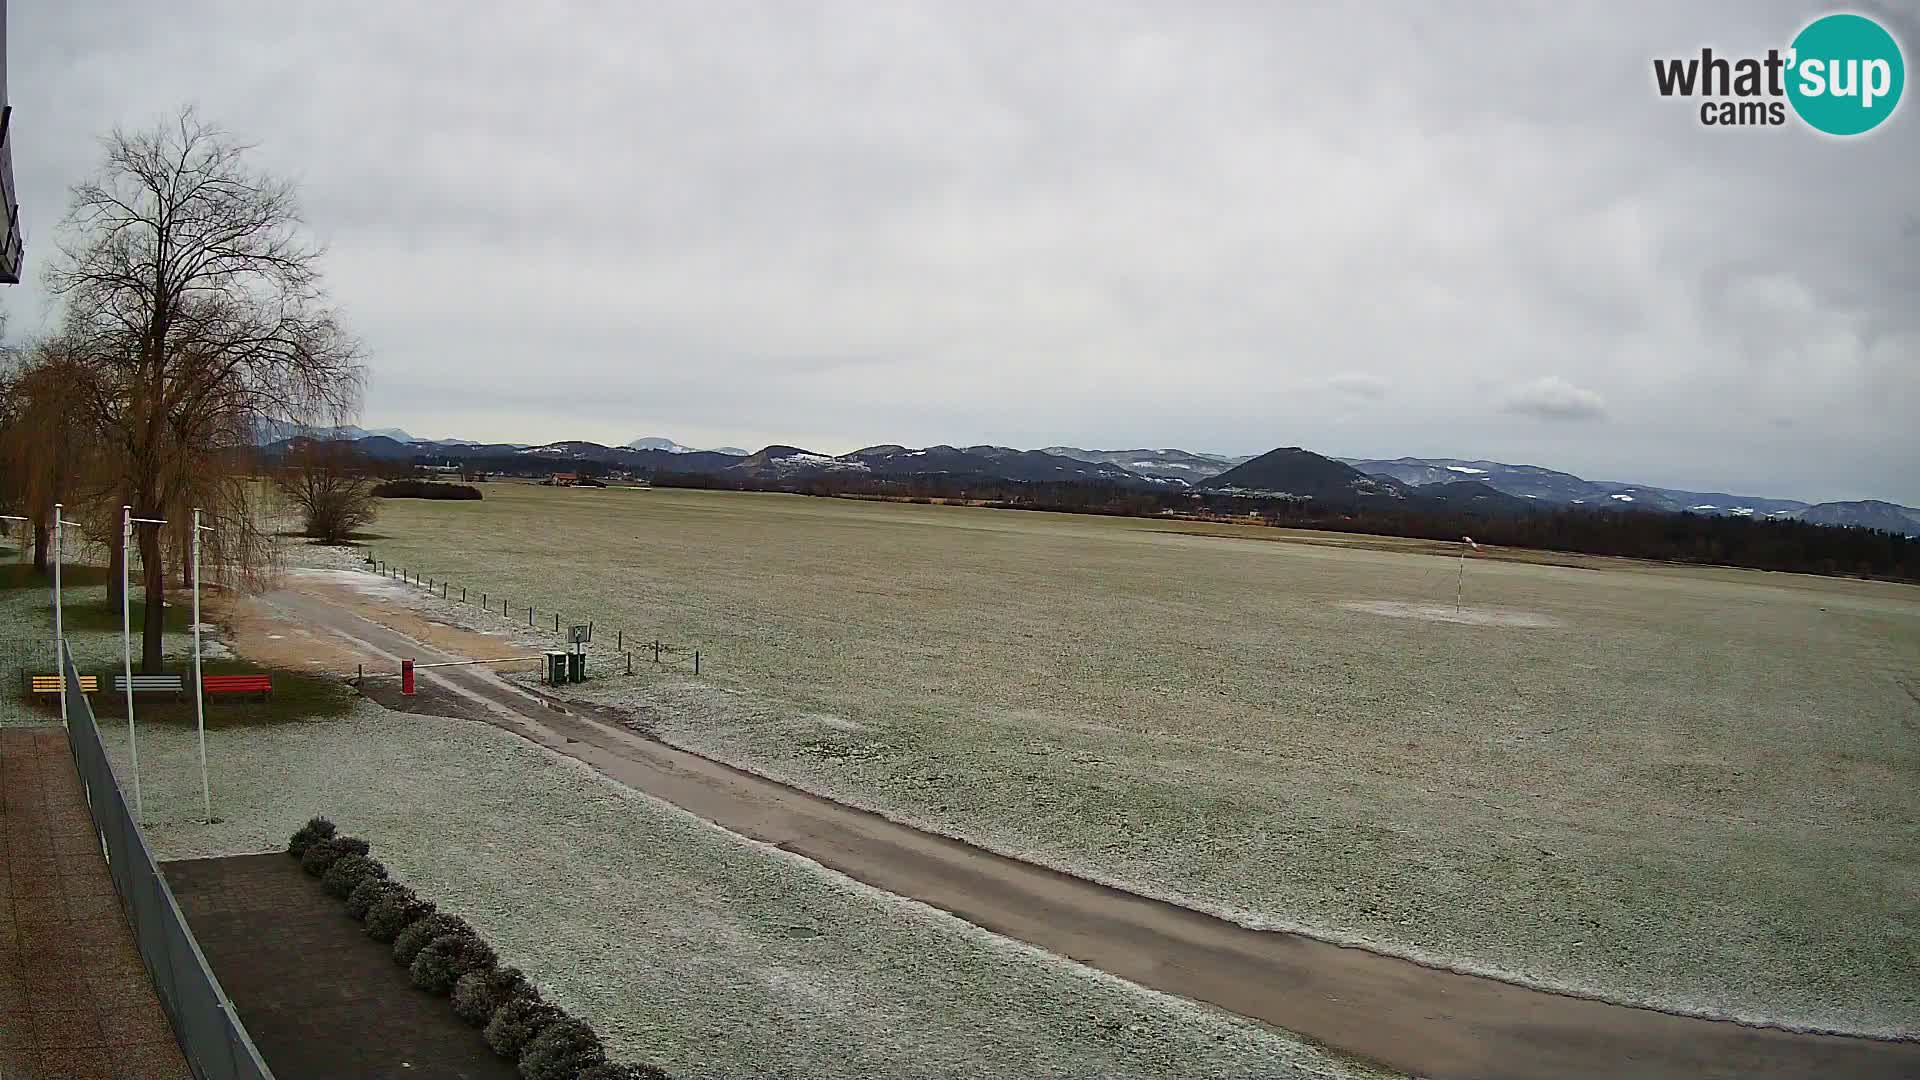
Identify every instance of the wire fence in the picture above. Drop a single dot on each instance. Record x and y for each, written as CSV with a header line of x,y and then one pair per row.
x,y
630,648
211,1036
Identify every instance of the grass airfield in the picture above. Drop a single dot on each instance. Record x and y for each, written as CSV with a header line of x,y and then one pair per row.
x,y
1684,787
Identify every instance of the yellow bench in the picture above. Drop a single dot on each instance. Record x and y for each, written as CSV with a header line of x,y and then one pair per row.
x,y
54,684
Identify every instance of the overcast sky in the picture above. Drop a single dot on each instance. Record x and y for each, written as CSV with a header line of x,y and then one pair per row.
x,y
1370,230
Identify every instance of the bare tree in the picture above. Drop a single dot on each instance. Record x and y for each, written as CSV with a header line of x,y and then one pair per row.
x,y
47,452
330,486
194,302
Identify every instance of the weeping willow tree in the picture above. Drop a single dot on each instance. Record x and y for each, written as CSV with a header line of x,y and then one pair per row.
x,y
48,452
194,313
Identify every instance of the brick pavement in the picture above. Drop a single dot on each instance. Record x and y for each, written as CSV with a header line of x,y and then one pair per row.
x,y
75,999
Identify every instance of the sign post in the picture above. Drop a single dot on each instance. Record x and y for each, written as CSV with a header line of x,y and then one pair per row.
x,y
577,638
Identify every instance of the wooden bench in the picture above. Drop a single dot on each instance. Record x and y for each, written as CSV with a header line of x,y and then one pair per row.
x,y
54,684
238,684
152,684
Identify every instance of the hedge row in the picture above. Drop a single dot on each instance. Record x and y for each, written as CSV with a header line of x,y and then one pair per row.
x,y
444,955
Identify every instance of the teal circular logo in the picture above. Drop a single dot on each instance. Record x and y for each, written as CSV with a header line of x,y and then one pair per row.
x,y
1846,74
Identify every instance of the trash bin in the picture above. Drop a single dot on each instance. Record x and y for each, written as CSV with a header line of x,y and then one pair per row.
x,y
577,667
556,667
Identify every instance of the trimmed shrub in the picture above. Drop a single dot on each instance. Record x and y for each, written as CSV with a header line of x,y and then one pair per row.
x,y
421,933
478,993
561,1050
305,836
516,1022
448,957
321,854
608,1070
394,912
364,895
347,872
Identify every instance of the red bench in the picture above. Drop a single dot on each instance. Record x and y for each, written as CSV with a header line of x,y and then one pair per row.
x,y
238,684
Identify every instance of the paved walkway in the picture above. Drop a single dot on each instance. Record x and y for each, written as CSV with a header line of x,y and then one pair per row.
x,y
301,972
75,999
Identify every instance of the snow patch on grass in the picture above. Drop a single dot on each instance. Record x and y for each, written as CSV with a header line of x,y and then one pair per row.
x,y
1470,616
684,944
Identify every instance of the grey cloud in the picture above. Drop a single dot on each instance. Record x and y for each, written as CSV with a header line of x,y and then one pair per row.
x,y
1359,384
1124,224
1553,398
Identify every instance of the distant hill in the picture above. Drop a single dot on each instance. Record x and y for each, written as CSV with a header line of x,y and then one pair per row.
x,y
1168,464
1474,495
1300,473
999,462
379,447
1524,481
655,442
1550,486
1867,514
893,460
1289,471
273,431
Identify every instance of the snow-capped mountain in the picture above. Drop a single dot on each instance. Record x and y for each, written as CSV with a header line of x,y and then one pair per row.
x,y
655,442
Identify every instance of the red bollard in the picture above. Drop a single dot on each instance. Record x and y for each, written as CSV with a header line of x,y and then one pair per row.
x,y
406,677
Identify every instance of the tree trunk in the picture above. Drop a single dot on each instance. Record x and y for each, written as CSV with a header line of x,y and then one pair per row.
x,y
154,619
42,536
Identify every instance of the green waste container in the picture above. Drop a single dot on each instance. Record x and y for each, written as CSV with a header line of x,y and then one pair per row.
x,y
576,667
556,667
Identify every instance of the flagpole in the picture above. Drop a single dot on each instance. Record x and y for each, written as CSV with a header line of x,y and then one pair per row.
x,y
199,705
59,634
126,651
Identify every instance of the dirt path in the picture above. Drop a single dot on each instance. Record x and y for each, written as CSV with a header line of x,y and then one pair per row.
x,y
1415,1019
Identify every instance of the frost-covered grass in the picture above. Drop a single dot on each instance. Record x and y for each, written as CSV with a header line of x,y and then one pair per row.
x,y
92,626
93,633
683,944
1683,787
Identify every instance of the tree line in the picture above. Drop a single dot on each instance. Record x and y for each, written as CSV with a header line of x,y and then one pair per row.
x,y
1760,544
191,311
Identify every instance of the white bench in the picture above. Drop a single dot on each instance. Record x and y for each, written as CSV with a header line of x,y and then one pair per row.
x,y
151,684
